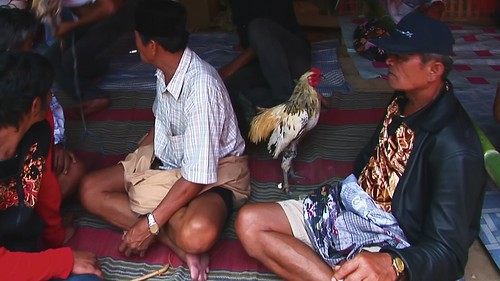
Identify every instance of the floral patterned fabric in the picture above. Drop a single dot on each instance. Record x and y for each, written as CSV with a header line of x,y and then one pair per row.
x,y
20,182
342,219
30,178
363,33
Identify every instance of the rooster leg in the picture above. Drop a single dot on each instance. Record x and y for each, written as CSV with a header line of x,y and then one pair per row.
x,y
286,166
285,186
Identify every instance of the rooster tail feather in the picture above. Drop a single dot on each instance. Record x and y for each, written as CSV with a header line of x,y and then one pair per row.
x,y
262,126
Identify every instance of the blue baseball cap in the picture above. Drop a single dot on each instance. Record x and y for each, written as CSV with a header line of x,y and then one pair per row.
x,y
417,33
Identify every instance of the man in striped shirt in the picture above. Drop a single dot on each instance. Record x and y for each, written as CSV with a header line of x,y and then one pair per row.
x,y
189,173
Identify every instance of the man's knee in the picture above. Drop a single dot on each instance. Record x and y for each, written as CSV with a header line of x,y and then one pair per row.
x,y
90,191
248,223
70,182
197,235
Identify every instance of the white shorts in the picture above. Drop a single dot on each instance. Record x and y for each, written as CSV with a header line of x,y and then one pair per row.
x,y
293,211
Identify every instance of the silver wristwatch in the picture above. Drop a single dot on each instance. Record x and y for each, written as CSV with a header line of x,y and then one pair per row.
x,y
153,226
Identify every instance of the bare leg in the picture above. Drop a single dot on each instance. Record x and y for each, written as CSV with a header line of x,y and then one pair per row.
x,y
103,193
95,105
69,182
89,107
194,229
266,235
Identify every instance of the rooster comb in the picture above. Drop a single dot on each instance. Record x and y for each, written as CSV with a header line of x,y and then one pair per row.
x,y
316,71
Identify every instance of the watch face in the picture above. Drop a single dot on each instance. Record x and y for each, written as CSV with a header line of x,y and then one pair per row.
x,y
399,265
154,229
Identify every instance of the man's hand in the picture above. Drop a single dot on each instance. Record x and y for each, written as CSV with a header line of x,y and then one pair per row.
x,y
366,266
137,239
62,160
85,263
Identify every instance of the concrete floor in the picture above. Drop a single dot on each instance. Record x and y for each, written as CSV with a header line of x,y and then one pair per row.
x,y
480,266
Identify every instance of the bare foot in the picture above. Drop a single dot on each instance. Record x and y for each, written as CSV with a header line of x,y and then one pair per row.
x,y
198,266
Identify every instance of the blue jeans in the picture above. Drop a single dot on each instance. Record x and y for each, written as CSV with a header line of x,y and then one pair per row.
x,y
81,277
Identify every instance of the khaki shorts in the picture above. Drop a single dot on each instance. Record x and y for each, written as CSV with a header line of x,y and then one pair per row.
x,y
293,211
147,187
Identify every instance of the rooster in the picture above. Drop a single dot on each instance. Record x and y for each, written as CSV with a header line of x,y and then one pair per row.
x,y
288,122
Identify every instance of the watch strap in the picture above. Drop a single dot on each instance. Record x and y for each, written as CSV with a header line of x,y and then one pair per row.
x,y
399,266
152,224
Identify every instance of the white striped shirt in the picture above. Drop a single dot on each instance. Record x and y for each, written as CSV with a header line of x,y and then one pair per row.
x,y
195,124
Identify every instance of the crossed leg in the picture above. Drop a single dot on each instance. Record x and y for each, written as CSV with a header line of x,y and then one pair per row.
x,y
190,232
194,229
103,193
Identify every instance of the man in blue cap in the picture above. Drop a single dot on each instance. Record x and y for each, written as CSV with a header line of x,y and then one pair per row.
x,y
420,184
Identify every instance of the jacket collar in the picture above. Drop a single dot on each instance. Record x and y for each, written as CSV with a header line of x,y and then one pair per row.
x,y
437,114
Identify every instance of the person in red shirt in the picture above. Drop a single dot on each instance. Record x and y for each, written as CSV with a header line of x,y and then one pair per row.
x,y
29,201
16,33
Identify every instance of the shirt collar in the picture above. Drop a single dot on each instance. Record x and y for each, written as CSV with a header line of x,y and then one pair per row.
x,y
434,115
174,86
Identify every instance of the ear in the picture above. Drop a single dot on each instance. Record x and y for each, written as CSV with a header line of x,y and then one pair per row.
x,y
36,106
152,46
436,70
39,106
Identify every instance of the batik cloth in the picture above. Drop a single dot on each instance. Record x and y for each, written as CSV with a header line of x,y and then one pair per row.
x,y
386,166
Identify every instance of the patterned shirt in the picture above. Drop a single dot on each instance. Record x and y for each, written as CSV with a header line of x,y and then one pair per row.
x,y
381,175
21,179
195,124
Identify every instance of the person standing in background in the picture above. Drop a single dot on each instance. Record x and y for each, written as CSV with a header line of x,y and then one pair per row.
x,y
275,52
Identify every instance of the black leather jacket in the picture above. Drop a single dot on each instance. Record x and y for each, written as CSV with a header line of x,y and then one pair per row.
x,y
439,198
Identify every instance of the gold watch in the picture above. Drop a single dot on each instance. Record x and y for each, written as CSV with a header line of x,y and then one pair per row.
x,y
153,226
398,265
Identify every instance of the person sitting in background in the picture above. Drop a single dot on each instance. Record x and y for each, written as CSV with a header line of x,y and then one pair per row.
x,y
29,204
423,166
16,33
88,28
275,53
383,15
